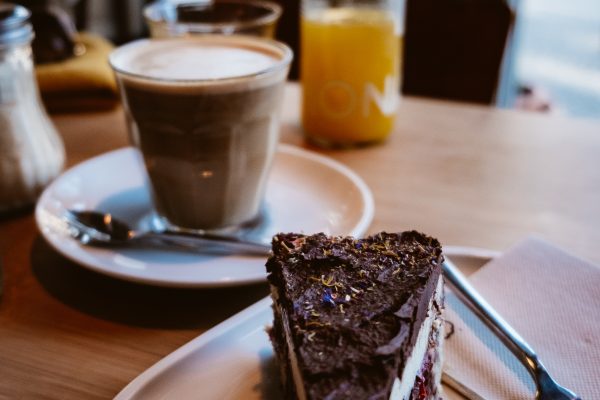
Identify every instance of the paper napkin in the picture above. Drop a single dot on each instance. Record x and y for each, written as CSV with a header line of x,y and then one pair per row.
x,y
553,300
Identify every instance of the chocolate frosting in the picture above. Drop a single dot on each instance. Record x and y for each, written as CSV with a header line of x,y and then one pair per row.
x,y
354,307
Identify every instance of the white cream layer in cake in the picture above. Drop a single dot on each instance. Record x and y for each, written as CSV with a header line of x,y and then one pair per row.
x,y
403,387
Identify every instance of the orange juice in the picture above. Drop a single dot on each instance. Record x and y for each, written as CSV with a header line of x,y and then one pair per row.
x,y
350,66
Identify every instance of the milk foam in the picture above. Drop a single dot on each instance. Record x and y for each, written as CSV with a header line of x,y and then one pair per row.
x,y
194,59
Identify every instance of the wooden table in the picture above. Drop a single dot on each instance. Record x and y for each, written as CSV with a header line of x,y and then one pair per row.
x,y
469,175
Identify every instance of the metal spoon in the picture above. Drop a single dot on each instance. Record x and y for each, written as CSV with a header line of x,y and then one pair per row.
x,y
92,227
96,228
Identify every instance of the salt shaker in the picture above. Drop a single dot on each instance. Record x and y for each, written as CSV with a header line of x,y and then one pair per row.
x,y
31,151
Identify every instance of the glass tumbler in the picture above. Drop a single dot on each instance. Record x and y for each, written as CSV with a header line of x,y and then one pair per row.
x,y
245,17
350,69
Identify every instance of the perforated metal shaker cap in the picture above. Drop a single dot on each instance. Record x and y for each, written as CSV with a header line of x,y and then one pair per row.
x,y
14,24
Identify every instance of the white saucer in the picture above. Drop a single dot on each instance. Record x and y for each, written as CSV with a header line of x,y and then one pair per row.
x,y
306,192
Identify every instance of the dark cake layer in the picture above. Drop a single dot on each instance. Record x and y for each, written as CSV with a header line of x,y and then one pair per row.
x,y
353,308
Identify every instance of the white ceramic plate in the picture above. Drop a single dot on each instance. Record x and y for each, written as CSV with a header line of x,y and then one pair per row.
x,y
306,192
234,360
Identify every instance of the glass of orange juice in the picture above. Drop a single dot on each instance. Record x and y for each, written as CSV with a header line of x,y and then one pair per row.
x,y
350,69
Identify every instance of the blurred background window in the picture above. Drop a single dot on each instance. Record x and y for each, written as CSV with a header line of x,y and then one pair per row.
x,y
557,54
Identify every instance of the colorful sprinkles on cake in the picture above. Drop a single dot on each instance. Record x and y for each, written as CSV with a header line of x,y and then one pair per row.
x,y
337,288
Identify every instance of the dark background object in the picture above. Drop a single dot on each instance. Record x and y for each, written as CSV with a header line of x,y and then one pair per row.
x,y
288,31
453,49
54,31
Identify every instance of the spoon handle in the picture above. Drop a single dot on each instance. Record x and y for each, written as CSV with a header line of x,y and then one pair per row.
x,y
486,313
207,242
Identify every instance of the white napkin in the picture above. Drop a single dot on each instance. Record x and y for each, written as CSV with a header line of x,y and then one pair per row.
x,y
553,300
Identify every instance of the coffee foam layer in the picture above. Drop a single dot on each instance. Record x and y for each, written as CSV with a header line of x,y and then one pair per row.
x,y
183,64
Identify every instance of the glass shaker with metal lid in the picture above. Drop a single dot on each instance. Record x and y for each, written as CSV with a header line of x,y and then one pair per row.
x,y
31,151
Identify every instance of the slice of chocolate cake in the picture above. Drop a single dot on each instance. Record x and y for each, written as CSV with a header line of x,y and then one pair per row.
x,y
357,318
